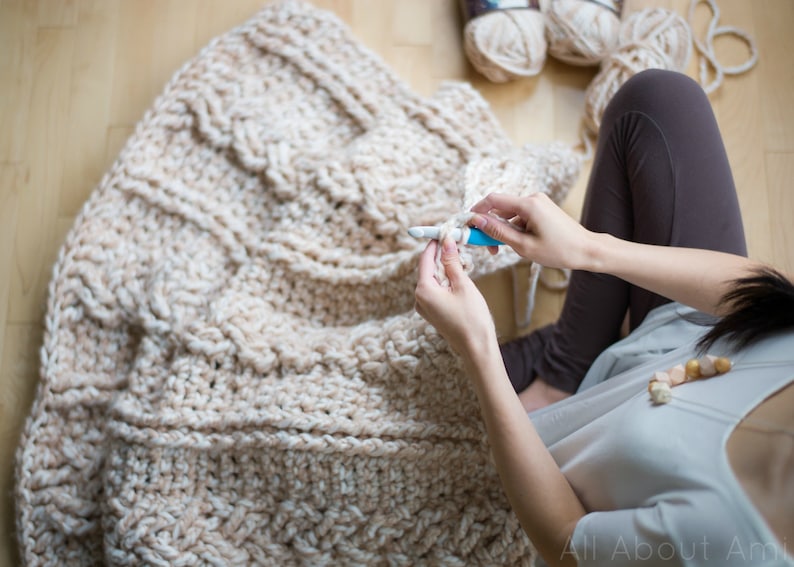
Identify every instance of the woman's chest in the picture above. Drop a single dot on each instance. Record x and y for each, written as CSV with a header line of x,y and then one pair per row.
x,y
639,454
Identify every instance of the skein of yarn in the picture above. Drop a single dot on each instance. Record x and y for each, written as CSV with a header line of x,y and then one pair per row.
x,y
582,32
654,38
505,39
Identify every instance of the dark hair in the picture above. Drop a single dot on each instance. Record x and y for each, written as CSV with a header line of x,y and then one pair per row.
x,y
756,306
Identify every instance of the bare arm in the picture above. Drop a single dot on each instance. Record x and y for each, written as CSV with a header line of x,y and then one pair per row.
x,y
540,231
698,278
539,494
541,497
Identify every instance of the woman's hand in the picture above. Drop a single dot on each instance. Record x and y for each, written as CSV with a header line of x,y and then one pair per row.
x,y
459,312
540,231
535,228
541,497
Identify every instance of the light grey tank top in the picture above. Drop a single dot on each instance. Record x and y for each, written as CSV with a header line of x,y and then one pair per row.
x,y
655,480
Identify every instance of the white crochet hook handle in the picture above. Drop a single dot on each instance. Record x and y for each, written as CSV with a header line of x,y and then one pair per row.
x,y
465,235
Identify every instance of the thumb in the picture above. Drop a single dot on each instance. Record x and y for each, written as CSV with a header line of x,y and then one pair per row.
x,y
450,259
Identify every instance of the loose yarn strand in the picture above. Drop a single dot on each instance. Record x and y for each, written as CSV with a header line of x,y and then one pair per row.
x,y
458,221
555,285
705,48
537,273
522,320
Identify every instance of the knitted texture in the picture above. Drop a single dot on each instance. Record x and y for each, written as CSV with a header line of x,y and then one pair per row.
x,y
232,370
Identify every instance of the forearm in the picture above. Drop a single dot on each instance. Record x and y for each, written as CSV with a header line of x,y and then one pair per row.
x,y
536,488
694,277
698,278
540,495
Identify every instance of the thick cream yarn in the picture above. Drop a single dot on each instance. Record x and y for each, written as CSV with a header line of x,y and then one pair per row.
x,y
522,172
660,39
582,32
232,370
650,39
507,44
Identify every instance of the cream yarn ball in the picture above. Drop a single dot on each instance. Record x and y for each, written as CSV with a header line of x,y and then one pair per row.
x,y
506,44
582,32
654,38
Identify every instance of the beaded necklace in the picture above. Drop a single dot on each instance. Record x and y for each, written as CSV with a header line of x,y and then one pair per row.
x,y
661,384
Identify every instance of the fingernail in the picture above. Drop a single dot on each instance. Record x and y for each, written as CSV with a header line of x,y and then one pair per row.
x,y
479,221
449,246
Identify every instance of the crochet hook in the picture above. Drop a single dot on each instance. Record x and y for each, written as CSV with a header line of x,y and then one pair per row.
x,y
465,235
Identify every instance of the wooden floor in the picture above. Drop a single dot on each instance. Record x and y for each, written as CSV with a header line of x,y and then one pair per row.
x,y
76,75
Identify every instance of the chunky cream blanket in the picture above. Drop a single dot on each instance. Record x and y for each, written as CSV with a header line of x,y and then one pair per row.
x,y
232,370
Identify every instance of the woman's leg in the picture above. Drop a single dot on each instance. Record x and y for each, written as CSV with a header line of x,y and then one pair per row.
x,y
660,176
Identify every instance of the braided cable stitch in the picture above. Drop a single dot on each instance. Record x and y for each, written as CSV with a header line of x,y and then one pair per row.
x,y
232,371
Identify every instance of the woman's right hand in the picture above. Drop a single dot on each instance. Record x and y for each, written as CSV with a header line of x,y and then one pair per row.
x,y
536,228
459,312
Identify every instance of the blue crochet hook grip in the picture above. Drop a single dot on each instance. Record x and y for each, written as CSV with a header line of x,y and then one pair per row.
x,y
479,238
469,235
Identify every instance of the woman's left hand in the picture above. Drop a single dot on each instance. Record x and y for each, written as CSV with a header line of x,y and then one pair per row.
x,y
459,312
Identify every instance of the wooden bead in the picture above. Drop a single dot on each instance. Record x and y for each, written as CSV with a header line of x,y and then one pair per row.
x,y
693,369
722,364
662,377
677,375
661,392
706,364
661,384
659,377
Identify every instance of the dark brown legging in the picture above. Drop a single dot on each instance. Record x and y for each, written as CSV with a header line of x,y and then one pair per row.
x,y
660,176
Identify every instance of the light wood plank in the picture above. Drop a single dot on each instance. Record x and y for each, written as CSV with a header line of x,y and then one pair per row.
x,y
411,63
343,9
533,117
449,60
497,289
780,172
91,90
568,88
8,226
17,52
39,181
117,136
153,39
56,13
214,17
412,23
741,124
19,373
775,19
373,25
